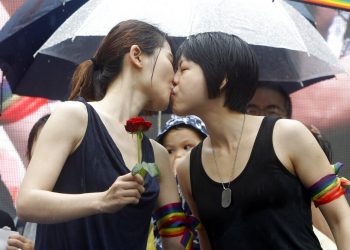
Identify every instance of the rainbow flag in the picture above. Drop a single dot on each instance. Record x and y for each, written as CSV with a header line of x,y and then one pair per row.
x,y
337,4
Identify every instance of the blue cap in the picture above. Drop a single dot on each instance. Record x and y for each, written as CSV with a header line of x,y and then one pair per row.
x,y
190,121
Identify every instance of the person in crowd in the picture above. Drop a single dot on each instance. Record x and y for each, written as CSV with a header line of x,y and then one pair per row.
x,y
249,188
78,186
179,135
270,99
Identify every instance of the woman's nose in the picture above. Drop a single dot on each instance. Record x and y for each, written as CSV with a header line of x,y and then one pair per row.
x,y
176,78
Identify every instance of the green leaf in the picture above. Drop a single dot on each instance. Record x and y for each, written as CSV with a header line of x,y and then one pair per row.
x,y
144,168
143,172
136,169
151,168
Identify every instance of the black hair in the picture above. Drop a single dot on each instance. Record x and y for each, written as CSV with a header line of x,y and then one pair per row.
x,y
223,56
33,134
279,89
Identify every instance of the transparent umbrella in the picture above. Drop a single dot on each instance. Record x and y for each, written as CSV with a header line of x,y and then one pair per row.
x,y
289,48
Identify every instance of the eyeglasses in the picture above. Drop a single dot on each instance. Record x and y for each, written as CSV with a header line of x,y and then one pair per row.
x,y
267,111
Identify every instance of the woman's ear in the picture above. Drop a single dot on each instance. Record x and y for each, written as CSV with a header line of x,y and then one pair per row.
x,y
135,56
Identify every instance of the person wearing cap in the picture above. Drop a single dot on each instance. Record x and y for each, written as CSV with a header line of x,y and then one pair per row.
x,y
179,135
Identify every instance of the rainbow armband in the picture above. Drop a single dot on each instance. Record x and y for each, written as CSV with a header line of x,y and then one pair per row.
x,y
329,187
172,222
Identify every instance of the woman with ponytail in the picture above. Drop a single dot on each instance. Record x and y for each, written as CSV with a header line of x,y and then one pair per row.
x,y
78,186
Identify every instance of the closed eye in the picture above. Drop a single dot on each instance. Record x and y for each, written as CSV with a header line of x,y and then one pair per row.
x,y
183,69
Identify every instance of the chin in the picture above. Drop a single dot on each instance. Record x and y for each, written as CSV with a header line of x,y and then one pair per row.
x,y
178,111
158,107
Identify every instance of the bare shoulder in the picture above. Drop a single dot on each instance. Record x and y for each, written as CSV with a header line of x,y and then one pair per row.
x,y
160,153
183,167
74,111
293,142
290,130
69,119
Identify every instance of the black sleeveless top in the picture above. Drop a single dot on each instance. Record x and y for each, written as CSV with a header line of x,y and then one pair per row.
x,y
93,167
270,208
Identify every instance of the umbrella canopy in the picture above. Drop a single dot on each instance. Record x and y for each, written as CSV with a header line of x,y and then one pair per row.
x,y
335,4
26,31
289,48
302,9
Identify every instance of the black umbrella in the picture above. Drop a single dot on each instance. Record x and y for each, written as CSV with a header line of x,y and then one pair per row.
x,y
26,31
289,48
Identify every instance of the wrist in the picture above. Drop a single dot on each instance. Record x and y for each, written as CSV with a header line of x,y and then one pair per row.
x,y
98,204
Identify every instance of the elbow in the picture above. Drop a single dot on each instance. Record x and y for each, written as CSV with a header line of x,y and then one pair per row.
x,y
22,207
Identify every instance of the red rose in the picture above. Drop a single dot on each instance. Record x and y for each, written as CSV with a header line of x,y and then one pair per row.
x,y
137,124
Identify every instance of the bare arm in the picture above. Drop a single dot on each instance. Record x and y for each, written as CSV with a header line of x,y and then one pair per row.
x,y
168,190
320,222
58,139
303,156
183,174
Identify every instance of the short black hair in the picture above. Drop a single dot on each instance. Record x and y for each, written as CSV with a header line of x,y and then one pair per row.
x,y
223,56
279,89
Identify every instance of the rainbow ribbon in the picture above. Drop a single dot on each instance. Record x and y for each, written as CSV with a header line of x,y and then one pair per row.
x,y
345,183
172,222
337,4
329,187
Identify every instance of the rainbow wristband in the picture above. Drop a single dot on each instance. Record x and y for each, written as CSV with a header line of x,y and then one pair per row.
x,y
172,222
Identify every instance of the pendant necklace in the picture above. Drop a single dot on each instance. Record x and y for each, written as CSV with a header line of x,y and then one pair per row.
x,y
226,192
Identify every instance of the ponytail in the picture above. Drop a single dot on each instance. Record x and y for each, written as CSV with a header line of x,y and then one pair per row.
x,y
92,77
83,82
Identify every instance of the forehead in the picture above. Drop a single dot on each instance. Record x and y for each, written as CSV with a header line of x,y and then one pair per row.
x,y
181,134
181,59
265,97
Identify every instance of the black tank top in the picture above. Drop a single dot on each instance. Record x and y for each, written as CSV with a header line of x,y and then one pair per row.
x,y
93,167
270,208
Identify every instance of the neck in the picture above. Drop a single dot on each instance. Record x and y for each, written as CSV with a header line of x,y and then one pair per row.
x,y
123,100
224,127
